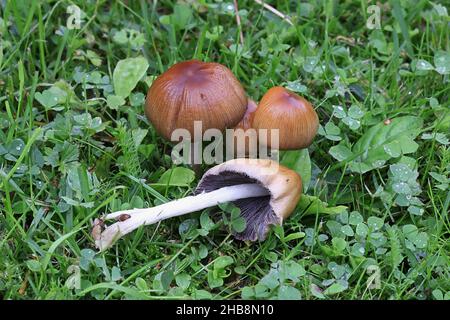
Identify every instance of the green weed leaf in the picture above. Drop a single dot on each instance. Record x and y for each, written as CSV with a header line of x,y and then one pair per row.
x,y
127,74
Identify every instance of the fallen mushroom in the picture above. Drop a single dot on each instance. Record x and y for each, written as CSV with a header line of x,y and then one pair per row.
x,y
292,115
192,91
265,192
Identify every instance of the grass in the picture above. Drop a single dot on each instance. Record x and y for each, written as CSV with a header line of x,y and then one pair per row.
x,y
377,203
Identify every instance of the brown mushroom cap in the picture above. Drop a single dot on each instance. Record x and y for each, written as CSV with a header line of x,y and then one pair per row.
x,y
293,115
195,91
246,121
244,125
283,184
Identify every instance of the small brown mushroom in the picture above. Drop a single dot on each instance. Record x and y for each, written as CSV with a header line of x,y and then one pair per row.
x,y
246,121
242,137
195,91
292,115
265,192
283,187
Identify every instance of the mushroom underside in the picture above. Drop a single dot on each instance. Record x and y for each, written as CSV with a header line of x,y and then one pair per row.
x,y
256,211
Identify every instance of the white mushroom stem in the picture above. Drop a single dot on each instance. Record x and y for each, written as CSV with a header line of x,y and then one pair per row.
x,y
140,217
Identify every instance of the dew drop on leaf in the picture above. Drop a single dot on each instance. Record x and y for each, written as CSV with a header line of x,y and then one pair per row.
x,y
401,187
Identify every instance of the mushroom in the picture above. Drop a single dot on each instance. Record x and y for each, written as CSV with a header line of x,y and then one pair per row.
x,y
265,192
242,137
246,121
291,114
195,91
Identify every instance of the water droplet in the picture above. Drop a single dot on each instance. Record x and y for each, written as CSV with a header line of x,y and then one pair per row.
x,y
77,130
401,187
378,163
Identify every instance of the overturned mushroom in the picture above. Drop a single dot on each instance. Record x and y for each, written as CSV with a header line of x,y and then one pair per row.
x,y
265,192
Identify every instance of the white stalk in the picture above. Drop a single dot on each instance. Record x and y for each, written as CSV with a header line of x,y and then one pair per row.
x,y
140,217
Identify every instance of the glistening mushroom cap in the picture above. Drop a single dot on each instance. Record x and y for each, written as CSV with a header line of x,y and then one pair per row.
x,y
195,91
292,115
284,187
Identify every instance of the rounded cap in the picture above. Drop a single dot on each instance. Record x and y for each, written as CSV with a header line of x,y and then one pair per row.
x,y
246,121
241,136
293,115
195,91
283,184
